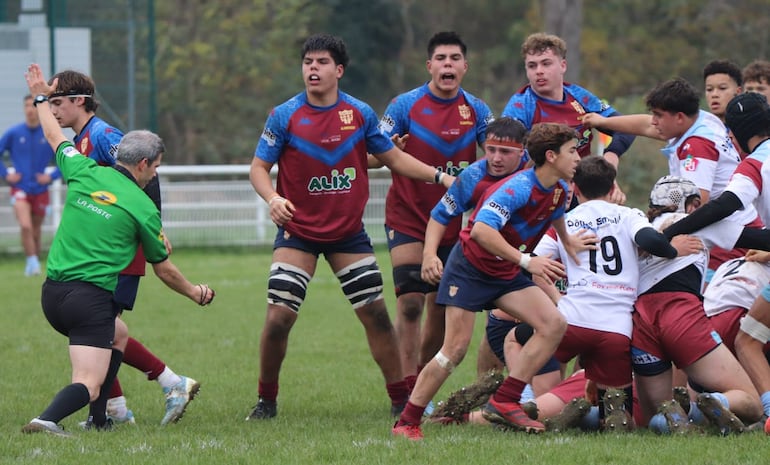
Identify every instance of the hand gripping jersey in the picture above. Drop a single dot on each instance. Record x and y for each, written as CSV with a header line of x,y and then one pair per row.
x,y
322,167
30,154
443,133
101,228
601,290
736,283
529,108
522,210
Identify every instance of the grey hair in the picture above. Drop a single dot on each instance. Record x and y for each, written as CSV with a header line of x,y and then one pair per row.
x,y
139,144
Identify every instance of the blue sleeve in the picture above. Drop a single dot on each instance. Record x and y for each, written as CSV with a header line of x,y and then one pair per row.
x,y
106,146
496,211
274,136
484,116
376,141
4,147
520,107
457,199
55,174
395,118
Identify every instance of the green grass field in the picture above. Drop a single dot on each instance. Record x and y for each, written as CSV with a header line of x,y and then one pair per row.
x,y
332,405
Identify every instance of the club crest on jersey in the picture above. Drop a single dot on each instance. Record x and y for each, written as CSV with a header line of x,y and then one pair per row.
x,y
104,197
346,116
556,196
336,181
465,111
690,163
453,290
84,144
578,107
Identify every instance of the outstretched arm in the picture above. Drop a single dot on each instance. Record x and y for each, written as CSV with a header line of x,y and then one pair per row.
x,y
406,165
38,86
637,125
201,294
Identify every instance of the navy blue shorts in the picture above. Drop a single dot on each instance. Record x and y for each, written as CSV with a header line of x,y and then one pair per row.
x,y
396,238
498,329
359,243
465,286
126,291
81,311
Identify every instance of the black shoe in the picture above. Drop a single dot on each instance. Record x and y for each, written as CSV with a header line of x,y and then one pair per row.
x,y
89,425
264,410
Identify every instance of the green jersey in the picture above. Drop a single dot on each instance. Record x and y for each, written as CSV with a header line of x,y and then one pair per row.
x,y
106,216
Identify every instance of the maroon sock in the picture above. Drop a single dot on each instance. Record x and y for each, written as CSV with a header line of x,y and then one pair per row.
x,y
268,391
398,392
115,390
510,390
139,357
412,414
411,380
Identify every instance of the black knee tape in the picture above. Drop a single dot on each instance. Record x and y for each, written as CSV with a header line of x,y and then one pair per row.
x,y
406,279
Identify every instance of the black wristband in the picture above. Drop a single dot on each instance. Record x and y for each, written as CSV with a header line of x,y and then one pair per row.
x,y
437,176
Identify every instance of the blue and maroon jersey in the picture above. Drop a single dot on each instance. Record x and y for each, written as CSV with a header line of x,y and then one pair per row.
x,y
529,108
466,191
99,141
522,210
322,166
443,133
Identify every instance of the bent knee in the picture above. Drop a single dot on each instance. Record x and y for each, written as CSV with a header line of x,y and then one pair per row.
x,y
410,307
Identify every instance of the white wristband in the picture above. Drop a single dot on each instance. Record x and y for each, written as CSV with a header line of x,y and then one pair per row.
x,y
524,261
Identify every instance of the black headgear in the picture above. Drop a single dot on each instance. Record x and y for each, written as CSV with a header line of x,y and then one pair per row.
x,y
748,115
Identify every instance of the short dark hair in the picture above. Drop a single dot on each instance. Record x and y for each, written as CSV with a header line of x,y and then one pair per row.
x,y
74,83
327,43
445,38
594,177
674,96
547,136
723,67
757,70
507,128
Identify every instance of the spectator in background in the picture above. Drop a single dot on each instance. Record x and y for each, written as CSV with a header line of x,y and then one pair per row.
x,y
30,155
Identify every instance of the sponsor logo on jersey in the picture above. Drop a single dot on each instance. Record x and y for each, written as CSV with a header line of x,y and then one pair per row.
x,y
104,197
269,137
114,152
70,151
386,125
690,163
453,169
500,210
448,201
335,181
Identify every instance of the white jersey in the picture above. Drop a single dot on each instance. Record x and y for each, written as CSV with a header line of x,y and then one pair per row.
x,y
751,181
736,283
653,269
601,291
706,156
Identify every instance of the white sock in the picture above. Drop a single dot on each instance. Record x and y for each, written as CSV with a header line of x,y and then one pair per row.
x,y
168,378
116,407
32,260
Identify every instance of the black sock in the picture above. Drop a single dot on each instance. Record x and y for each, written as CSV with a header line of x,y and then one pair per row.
x,y
98,411
66,402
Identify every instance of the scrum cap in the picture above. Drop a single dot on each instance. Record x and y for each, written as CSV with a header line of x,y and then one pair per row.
x,y
672,191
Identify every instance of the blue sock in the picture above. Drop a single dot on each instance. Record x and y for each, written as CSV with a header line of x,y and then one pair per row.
x,y
527,394
659,424
590,421
765,398
695,415
722,399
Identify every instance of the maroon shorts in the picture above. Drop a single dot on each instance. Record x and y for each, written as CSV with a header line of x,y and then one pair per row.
x,y
727,324
37,202
606,356
670,327
570,388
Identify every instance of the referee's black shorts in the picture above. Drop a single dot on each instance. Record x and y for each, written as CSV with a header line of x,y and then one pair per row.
x,y
81,311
